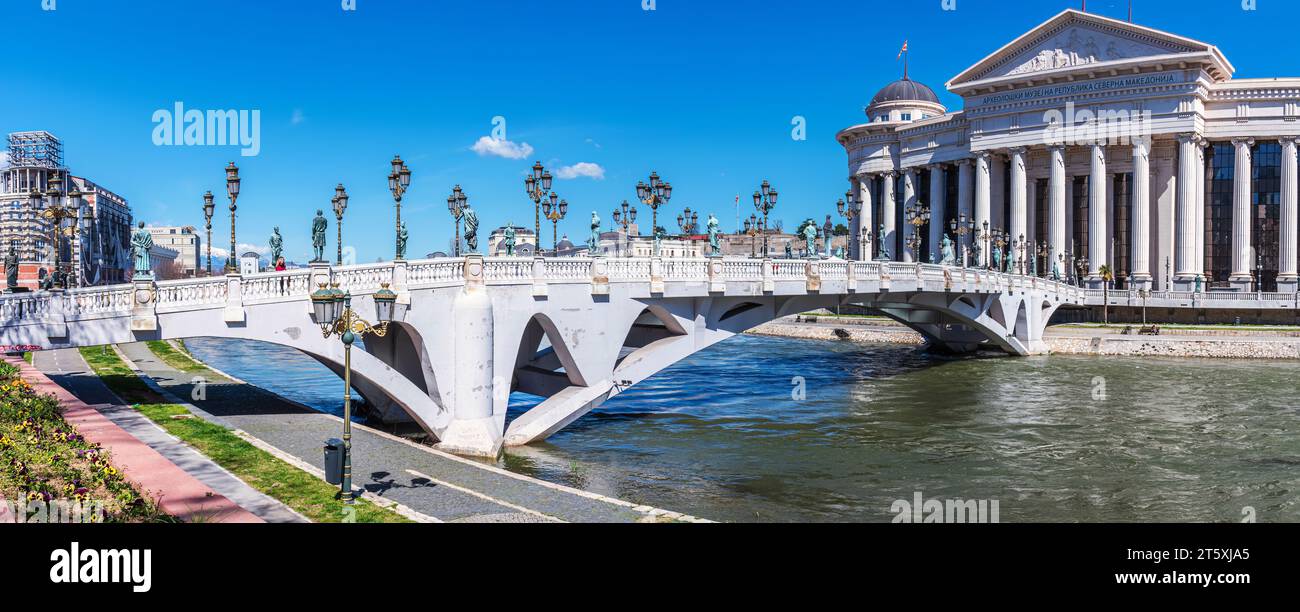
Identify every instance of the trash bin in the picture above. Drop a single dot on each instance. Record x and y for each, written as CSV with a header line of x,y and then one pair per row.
x,y
334,461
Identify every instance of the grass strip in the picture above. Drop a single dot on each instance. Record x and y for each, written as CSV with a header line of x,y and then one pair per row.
x,y
174,358
305,493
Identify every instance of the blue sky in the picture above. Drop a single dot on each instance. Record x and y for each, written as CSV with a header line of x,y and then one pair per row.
x,y
703,91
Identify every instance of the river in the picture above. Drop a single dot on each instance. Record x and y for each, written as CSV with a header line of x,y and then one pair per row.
x,y
772,429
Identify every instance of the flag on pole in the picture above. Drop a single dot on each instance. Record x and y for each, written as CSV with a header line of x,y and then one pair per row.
x,y
902,51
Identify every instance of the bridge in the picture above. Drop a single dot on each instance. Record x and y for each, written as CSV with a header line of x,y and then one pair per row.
x,y
576,332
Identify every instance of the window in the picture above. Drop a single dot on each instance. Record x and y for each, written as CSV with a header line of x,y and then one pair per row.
x,y
1041,199
1079,249
1121,257
906,116
1221,159
1265,209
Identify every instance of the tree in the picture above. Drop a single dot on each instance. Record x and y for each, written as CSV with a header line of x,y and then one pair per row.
x,y
840,230
1106,277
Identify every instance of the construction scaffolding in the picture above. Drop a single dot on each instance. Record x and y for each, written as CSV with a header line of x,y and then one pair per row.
x,y
35,150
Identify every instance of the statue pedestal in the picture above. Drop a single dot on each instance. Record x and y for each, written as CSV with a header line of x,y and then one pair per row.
x,y
144,318
656,275
539,277
812,271
717,283
599,276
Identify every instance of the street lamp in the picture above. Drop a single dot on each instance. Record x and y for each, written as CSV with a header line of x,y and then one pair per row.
x,y
553,213
918,216
626,216
1082,269
1259,275
209,207
340,206
56,213
1043,252
654,194
850,208
764,202
398,182
688,221
232,192
962,226
456,203
538,187
753,227
332,310
1001,240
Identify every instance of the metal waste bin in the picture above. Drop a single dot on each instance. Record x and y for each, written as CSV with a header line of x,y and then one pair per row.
x,y
334,461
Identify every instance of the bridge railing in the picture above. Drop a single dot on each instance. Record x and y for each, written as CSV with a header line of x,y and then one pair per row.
x,y
435,272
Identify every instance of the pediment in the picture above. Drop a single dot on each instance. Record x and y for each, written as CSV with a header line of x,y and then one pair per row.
x,y
1074,40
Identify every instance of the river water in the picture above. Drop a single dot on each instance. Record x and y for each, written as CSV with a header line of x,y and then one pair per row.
x,y
770,429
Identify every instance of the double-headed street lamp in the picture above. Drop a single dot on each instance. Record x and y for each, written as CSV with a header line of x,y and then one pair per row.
x,y
456,203
332,310
538,187
654,194
688,221
553,213
340,202
209,207
753,227
232,192
764,202
850,208
918,216
961,227
59,210
626,216
399,180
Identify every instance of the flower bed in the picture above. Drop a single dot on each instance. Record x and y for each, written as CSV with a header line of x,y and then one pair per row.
x,y
43,459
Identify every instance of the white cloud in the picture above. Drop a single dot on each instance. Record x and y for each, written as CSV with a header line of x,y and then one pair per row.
x,y
593,143
298,117
243,247
581,169
501,147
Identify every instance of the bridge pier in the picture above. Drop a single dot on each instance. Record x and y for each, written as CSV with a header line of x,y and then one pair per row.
x,y
473,430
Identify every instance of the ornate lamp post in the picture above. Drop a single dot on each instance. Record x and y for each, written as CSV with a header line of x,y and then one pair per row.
x,y
1081,270
986,238
764,202
399,180
553,213
1020,249
538,187
232,192
625,216
962,226
209,207
456,206
340,202
1043,253
753,227
1001,240
918,217
654,194
56,213
688,221
332,310
850,208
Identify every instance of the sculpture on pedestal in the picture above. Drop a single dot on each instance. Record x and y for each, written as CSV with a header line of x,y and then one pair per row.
x,y
593,241
277,245
997,259
949,254
715,248
789,250
471,228
402,235
510,239
11,268
884,248
659,237
809,232
141,242
318,226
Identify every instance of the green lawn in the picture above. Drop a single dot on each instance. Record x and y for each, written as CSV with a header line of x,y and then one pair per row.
x,y
305,493
175,358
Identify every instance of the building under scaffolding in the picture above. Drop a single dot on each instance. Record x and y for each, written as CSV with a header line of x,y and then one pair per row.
x,y
94,245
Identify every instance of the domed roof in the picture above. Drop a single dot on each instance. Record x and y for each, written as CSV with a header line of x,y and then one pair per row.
x,y
905,89
564,244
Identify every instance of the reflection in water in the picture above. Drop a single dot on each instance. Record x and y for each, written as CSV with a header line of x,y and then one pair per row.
x,y
1059,438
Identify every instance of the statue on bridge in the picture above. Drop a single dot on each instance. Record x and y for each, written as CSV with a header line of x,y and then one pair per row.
x,y
997,259
11,268
828,233
884,248
789,250
593,241
402,236
1011,260
659,235
141,243
715,248
318,226
949,253
1056,271
510,239
277,245
809,232
471,228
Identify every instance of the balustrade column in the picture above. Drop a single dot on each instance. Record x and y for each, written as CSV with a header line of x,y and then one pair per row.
x,y
1185,214
1141,213
938,204
909,205
1288,276
1241,217
1097,190
982,202
888,215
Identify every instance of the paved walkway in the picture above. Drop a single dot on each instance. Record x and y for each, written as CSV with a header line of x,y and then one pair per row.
x,y
176,491
67,369
429,481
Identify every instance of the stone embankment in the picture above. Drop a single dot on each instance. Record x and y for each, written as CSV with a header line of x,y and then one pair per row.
x,y
1224,343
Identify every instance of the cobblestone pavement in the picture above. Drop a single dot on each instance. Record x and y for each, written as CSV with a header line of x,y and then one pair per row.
x,y
428,481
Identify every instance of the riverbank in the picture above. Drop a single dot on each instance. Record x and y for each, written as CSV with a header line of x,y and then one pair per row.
x,y
1213,342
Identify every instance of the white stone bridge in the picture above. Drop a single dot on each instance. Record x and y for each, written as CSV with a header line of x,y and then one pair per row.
x,y
574,331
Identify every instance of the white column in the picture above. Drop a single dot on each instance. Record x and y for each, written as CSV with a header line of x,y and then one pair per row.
x,y
1018,225
997,191
888,250
909,204
1201,143
1097,190
1287,266
982,203
965,196
1185,215
1241,278
865,226
938,204
1140,240
1056,210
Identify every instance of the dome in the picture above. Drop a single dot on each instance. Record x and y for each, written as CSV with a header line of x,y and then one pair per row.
x,y
564,244
905,90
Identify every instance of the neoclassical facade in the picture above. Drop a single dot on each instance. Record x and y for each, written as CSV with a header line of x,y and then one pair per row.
x,y
1099,143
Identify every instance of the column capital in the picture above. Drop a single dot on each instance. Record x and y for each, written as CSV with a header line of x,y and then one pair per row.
x,y
910,171
983,155
889,174
1289,140
965,161
1243,142
1056,147
1019,151
1187,138
935,166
